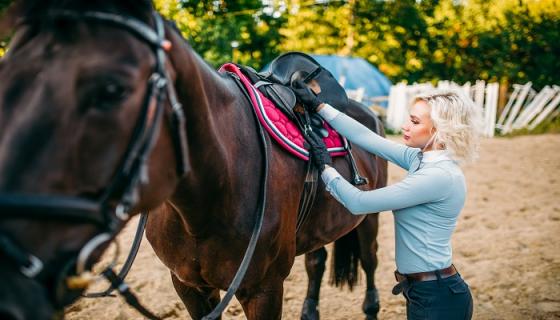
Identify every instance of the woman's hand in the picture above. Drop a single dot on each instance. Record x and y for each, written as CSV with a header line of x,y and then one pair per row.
x,y
318,151
306,96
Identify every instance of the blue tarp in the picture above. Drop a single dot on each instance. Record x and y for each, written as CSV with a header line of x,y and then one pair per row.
x,y
357,73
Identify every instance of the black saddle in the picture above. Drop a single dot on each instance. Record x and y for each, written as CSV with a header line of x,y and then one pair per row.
x,y
292,66
276,82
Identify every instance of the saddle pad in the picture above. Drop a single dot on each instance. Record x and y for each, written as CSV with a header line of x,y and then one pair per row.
x,y
280,127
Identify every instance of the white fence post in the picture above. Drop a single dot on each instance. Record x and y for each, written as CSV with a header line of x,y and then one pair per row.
x,y
512,97
478,94
546,110
534,108
490,106
516,107
397,106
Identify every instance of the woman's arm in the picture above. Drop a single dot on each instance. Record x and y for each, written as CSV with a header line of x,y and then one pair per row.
x,y
428,185
354,131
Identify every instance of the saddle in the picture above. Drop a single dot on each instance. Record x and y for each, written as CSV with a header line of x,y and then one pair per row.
x,y
293,66
275,84
284,70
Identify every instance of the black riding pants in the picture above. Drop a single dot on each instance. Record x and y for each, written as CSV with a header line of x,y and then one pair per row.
x,y
442,299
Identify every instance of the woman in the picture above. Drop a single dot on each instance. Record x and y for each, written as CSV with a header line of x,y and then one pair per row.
x,y
440,133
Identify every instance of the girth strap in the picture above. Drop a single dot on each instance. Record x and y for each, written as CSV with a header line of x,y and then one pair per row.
x,y
309,194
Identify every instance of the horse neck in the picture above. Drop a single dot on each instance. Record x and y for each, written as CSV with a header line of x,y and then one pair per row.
x,y
211,105
204,96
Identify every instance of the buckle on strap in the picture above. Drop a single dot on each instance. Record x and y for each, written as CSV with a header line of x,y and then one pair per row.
x,y
34,268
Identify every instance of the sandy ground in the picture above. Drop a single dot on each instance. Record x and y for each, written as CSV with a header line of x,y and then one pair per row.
x,y
506,246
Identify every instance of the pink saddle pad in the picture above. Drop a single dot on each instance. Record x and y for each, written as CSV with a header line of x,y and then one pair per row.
x,y
283,130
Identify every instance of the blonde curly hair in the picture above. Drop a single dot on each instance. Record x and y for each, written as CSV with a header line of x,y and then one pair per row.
x,y
457,121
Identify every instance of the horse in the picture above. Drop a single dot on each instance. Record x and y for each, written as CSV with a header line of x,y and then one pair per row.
x,y
86,90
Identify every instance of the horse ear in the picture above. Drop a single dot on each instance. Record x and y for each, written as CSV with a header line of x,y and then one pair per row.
x,y
138,8
144,6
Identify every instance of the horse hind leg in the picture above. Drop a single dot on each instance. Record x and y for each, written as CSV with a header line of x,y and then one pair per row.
x,y
199,301
315,267
367,235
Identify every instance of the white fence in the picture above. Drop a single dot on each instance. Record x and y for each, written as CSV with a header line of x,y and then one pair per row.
x,y
525,108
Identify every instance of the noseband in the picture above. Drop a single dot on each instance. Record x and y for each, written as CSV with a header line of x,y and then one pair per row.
x,y
110,211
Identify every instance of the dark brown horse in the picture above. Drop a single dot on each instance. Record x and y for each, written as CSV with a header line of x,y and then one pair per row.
x,y
72,94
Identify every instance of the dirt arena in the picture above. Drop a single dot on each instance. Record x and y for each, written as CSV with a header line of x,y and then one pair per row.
x,y
506,246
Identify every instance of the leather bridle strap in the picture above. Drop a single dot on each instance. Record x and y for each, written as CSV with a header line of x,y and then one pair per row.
x,y
28,264
140,228
43,207
123,188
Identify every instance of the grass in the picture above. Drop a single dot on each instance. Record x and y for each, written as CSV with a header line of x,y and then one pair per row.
x,y
551,125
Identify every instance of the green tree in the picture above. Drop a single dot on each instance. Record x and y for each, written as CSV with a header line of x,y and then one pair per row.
x,y
244,31
324,27
392,36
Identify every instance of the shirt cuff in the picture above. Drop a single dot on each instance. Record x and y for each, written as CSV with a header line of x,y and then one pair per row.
x,y
329,174
328,112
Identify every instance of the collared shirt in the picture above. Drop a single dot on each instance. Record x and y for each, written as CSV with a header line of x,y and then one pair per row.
x,y
425,204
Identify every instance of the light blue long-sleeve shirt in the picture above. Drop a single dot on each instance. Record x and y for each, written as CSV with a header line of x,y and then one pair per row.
x,y
425,205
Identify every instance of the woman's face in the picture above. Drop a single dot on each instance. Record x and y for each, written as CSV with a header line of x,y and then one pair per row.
x,y
418,129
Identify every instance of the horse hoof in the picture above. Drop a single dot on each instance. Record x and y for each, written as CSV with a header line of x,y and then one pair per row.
x,y
309,310
371,304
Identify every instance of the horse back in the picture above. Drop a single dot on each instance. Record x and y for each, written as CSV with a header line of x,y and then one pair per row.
x,y
365,116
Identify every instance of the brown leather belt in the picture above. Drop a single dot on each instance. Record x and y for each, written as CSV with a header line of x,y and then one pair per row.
x,y
426,276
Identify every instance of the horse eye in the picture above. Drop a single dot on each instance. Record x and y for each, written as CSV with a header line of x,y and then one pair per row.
x,y
108,96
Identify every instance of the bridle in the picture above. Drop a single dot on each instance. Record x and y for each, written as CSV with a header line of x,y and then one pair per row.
x,y
110,211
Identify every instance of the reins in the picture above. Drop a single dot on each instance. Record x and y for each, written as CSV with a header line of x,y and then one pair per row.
x,y
124,186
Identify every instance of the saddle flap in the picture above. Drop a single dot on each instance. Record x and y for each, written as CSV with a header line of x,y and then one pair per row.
x,y
282,96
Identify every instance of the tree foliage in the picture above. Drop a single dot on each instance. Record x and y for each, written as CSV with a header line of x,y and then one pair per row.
x,y
511,41
318,28
245,31
504,40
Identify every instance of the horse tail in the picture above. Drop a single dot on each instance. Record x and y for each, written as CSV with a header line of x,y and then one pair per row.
x,y
346,254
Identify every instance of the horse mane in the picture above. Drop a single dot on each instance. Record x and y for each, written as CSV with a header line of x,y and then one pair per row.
x,y
34,10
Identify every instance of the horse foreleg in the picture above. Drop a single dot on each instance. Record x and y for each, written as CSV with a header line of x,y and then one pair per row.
x,y
315,267
199,301
264,304
367,235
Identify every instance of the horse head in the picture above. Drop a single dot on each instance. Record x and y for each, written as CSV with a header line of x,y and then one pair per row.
x,y
89,123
